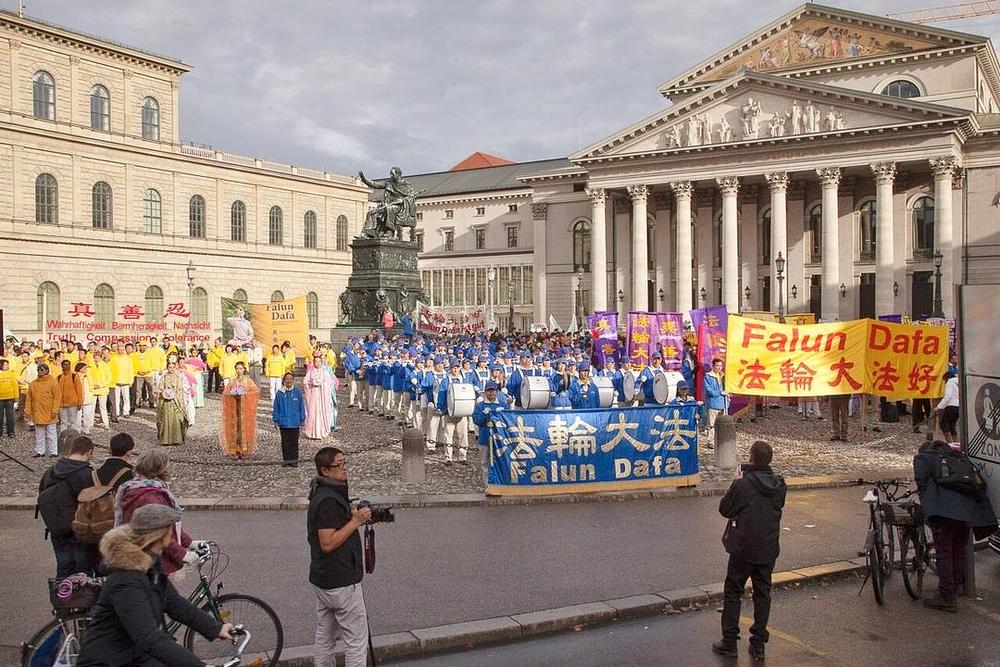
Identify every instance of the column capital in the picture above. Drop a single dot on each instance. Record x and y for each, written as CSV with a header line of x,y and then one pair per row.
x,y
778,180
539,211
943,166
638,193
884,172
829,176
682,189
597,195
728,185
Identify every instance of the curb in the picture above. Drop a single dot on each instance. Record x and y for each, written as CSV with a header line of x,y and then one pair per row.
x,y
424,642
414,501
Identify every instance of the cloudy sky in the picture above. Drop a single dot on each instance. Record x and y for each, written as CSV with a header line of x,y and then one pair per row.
x,y
363,85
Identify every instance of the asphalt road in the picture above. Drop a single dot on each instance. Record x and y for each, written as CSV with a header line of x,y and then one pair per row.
x,y
816,625
438,566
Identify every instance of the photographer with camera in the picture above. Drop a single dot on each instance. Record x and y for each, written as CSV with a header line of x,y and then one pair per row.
x,y
336,564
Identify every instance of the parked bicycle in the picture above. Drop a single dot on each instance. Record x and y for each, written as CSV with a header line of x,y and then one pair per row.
x,y
916,552
879,549
62,637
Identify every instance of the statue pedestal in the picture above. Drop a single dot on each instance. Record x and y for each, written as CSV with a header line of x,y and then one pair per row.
x,y
384,275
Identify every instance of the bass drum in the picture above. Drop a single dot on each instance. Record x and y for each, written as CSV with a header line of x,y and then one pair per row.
x,y
661,388
605,390
461,399
535,392
630,386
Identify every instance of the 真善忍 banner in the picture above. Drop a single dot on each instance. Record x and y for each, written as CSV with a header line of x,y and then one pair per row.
x,y
858,357
537,452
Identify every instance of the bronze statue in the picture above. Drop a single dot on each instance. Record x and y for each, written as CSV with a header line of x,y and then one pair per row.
x,y
398,208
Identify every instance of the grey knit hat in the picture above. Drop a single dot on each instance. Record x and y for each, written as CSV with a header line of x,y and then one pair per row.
x,y
151,517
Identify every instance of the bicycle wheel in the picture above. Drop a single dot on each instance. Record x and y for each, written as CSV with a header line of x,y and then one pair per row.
x,y
930,562
267,635
62,636
912,563
875,573
888,548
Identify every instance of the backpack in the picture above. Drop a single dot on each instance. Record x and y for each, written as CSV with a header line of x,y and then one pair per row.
x,y
56,505
956,472
95,511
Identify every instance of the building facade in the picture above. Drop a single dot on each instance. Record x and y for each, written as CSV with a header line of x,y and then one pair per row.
x,y
106,218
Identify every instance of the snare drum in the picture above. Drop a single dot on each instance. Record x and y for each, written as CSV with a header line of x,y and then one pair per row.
x,y
461,399
535,392
605,390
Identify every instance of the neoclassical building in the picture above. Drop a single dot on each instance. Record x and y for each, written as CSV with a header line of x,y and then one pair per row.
x,y
103,210
856,146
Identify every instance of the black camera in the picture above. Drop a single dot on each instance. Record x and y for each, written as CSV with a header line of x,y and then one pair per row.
x,y
380,514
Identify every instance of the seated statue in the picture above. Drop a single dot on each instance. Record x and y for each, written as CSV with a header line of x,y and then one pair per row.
x,y
396,210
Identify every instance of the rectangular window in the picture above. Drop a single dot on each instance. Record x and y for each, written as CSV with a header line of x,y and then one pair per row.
x,y
425,282
512,236
449,213
503,285
480,239
449,288
512,208
480,287
459,287
438,291
515,276
420,242
480,210
529,285
420,216
449,240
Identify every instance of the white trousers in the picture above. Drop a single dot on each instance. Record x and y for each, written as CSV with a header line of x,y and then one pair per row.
x,y
122,400
69,417
102,406
273,384
433,418
87,416
404,407
352,383
809,407
451,426
46,436
341,611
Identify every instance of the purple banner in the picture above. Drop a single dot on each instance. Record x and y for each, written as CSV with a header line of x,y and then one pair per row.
x,y
670,339
641,337
711,324
604,330
895,319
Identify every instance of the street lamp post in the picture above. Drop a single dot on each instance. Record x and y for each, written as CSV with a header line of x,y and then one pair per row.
x,y
579,297
191,271
779,269
938,299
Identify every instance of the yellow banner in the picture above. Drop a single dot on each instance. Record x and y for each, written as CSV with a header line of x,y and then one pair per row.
x,y
861,356
801,318
274,323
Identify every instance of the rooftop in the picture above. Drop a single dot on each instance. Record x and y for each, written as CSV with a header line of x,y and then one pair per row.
x,y
479,160
485,179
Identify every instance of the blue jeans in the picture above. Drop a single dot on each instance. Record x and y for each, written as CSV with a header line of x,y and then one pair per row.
x,y
7,415
71,555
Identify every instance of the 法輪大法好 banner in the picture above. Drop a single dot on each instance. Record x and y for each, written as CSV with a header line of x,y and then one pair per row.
x,y
536,452
857,357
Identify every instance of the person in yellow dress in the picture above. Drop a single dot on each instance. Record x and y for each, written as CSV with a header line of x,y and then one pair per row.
x,y
274,369
102,380
123,372
289,354
143,384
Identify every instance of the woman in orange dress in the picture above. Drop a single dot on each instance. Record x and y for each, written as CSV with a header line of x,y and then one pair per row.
x,y
239,415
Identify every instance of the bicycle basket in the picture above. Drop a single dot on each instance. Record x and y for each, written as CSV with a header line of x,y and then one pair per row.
x,y
902,514
77,591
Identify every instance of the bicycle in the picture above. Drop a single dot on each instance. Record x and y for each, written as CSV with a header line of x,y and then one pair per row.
x,y
908,518
64,634
879,549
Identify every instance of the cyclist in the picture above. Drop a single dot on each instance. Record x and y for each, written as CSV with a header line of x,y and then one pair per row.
x,y
127,620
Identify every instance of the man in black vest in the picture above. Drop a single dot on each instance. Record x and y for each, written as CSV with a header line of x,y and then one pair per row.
x,y
336,565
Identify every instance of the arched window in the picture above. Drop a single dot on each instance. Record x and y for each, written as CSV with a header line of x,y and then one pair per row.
x,y
902,88
274,222
43,89
867,219
199,305
342,233
923,227
196,217
764,239
48,303
815,229
104,303
101,208
240,296
309,230
238,221
154,304
717,234
46,199
312,310
581,246
100,108
150,119
276,296
152,216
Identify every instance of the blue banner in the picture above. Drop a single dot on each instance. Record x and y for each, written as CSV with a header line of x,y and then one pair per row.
x,y
569,451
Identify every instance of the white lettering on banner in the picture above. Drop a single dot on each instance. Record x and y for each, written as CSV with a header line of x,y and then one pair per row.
x,y
436,321
625,468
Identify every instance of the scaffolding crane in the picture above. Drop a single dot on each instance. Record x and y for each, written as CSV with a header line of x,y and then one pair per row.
x,y
962,10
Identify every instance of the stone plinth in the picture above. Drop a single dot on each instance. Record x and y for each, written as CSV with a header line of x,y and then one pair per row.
x,y
384,274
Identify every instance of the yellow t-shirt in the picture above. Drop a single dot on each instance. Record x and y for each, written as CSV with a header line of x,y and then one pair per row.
x,y
214,356
159,356
8,385
142,361
275,366
101,377
122,369
289,361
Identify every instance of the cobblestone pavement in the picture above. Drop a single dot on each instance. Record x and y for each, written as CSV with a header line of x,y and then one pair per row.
x,y
374,448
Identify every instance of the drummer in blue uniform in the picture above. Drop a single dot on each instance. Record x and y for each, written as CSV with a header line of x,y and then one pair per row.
x,y
492,402
516,378
647,376
559,384
432,416
454,427
482,371
582,393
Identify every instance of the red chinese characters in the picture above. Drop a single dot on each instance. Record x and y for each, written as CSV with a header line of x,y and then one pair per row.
x,y
799,377
885,377
841,368
130,312
78,309
753,375
177,309
921,378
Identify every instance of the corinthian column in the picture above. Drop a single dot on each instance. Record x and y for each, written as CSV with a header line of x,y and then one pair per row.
x,y
730,244
598,248
943,169
779,230
829,178
640,262
682,195
885,264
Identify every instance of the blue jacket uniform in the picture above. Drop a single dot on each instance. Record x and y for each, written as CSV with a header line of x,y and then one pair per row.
x,y
289,409
398,381
371,371
442,395
714,400
352,362
483,413
583,396
413,378
618,382
646,381
385,375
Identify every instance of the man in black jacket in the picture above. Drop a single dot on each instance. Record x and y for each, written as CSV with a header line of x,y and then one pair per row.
x,y
122,457
753,506
62,484
336,564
